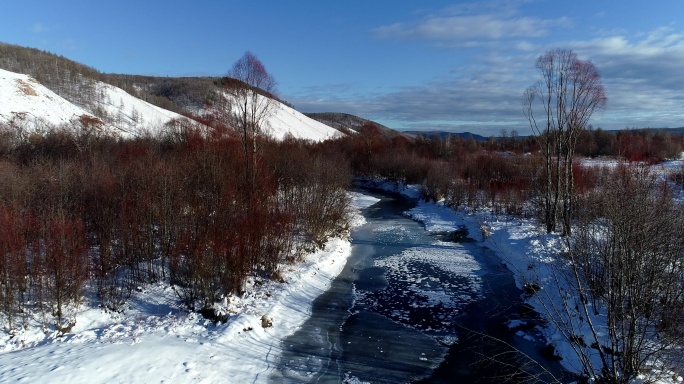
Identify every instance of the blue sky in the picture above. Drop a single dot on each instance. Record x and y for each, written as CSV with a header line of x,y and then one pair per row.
x,y
452,65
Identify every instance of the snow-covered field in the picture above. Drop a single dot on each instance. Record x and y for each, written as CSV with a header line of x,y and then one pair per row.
x,y
156,341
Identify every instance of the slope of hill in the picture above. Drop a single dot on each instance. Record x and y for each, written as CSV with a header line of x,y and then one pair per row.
x,y
288,121
33,108
28,105
197,96
345,121
129,115
129,105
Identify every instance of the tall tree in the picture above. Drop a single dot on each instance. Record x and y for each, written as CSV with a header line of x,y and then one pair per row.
x,y
569,93
253,104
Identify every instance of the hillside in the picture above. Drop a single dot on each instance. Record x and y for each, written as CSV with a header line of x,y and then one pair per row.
x,y
30,107
344,121
288,121
198,95
127,114
123,105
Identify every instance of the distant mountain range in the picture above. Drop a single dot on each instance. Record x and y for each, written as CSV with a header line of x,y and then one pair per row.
x,y
444,135
466,135
343,121
674,131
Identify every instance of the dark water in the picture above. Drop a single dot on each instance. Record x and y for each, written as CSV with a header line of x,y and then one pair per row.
x,y
412,307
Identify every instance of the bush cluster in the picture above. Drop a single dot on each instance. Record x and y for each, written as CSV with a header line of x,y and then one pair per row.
x,y
119,213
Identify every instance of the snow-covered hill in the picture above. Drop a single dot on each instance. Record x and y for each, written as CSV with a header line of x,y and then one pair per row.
x,y
129,115
286,120
26,104
29,106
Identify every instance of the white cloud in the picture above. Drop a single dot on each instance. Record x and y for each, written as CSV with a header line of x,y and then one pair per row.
x,y
69,44
472,24
39,28
525,46
642,74
459,28
473,99
643,77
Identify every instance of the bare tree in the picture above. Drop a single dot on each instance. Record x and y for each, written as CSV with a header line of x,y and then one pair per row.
x,y
65,265
626,259
615,296
252,106
569,92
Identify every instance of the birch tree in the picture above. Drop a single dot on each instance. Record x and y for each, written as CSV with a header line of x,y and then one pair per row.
x,y
568,94
251,109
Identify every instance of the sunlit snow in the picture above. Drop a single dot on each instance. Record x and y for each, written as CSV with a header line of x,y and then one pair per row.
x,y
31,107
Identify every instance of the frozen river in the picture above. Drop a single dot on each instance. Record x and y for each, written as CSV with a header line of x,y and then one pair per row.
x,y
411,306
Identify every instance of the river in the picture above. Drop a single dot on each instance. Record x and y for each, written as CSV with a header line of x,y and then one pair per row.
x,y
410,306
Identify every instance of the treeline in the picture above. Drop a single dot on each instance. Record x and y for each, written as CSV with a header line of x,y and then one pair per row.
x,y
649,145
506,174
71,80
461,171
116,214
177,94
49,69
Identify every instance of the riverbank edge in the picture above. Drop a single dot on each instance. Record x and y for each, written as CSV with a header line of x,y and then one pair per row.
x,y
531,254
156,339
519,243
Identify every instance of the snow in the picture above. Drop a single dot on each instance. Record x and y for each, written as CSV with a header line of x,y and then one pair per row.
x,y
436,217
28,104
527,250
288,121
156,341
134,117
33,107
409,266
282,121
362,201
130,116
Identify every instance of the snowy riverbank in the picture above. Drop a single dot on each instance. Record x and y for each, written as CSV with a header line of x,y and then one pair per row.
x,y
155,341
527,251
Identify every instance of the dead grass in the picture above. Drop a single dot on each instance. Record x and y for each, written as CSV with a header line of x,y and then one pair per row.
x,y
26,88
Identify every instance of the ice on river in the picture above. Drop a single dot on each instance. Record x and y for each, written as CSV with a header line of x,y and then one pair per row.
x,y
428,286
